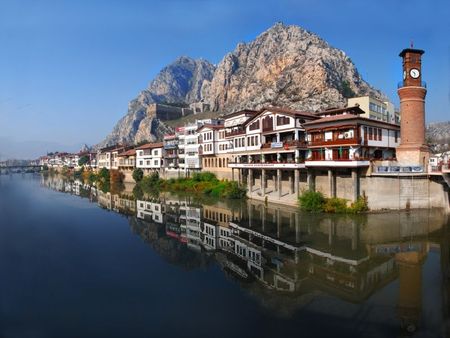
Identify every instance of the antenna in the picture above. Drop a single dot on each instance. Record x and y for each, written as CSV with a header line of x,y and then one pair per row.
x,y
412,44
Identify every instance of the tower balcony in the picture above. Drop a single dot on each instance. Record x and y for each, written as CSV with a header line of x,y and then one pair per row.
x,y
401,84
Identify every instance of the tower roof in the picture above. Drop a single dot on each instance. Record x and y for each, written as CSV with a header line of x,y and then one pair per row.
x,y
411,50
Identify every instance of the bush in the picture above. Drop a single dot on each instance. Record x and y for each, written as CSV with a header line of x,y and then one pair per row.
x,y
138,175
78,173
335,205
116,176
151,183
92,177
103,174
313,201
204,177
233,191
83,160
361,205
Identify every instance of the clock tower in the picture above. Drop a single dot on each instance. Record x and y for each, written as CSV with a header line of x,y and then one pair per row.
x,y
412,91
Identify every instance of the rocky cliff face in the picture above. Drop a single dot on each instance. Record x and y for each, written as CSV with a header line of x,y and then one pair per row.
x,y
438,136
284,66
180,82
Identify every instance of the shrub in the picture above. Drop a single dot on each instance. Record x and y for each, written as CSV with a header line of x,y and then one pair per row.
x,y
204,177
151,183
83,160
78,173
361,205
137,192
92,177
312,201
103,174
138,174
233,191
335,205
116,176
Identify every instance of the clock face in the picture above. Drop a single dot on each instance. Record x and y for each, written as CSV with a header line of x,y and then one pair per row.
x,y
414,73
404,74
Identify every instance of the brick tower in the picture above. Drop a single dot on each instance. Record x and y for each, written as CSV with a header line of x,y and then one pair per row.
x,y
412,91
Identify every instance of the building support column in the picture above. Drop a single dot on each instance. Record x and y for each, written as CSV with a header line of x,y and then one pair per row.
x,y
310,178
263,218
278,223
250,180
279,183
296,181
263,182
291,182
297,228
332,183
355,181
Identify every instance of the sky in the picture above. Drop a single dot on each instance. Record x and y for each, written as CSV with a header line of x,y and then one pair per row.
x,y
69,68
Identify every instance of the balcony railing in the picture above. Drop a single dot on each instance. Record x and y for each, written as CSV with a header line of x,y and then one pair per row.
x,y
284,144
234,132
336,142
401,84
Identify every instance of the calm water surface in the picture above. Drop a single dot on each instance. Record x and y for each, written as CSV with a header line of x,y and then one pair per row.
x,y
77,262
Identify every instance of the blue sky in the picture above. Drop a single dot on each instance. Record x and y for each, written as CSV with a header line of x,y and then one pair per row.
x,y
69,68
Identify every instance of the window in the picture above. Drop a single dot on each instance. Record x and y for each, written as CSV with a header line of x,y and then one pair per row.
x,y
148,162
379,135
396,136
370,134
254,125
155,162
283,120
141,162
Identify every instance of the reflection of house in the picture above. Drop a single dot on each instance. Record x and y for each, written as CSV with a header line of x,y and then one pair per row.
x,y
150,211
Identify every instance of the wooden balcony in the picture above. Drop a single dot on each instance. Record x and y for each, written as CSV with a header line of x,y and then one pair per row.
x,y
293,144
336,142
234,133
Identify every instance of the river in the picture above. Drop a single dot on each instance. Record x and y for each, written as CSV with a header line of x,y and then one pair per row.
x,y
79,262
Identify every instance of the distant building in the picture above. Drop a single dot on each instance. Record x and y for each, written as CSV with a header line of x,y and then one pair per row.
x,y
150,157
167,112
376,109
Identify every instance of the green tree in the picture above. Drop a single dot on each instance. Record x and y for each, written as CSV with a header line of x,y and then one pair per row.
x,y
83,160
138,174
346,90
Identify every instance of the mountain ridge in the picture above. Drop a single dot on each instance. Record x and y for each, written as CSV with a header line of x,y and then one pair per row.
x,y
285,65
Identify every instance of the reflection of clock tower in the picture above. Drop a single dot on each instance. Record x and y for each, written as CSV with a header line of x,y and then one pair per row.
x,y
413,149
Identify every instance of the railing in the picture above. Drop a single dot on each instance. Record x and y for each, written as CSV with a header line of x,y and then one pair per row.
x,y
353,140
125,163
267,128
234,132
286,144
401,84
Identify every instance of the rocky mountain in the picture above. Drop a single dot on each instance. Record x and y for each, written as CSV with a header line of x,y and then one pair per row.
x,y
438,136
284,66
179,82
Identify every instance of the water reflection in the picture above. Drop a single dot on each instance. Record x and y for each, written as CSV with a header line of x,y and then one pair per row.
x,y
286,258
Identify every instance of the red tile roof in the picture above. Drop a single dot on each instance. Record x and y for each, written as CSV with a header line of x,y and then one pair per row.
x,y
130,152
212,126
150,146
